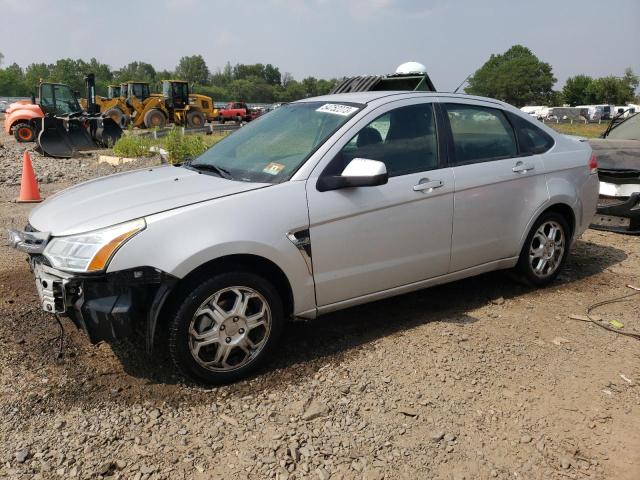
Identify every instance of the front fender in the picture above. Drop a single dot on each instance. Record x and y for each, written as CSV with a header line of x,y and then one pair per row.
x,y
250,223
21,115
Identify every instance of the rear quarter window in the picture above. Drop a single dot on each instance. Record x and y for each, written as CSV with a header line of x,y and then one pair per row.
x,y
531,139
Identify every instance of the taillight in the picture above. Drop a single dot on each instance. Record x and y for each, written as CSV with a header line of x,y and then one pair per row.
x,y
593,163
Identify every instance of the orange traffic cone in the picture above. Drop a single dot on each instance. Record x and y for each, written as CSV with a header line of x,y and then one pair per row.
x,y
29,192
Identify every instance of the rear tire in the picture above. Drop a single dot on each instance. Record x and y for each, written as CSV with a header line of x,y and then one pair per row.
x,y
225,327
154,119
196,119
545,250
24,132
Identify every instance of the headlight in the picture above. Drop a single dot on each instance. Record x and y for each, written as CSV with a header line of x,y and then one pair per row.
x,y
91,251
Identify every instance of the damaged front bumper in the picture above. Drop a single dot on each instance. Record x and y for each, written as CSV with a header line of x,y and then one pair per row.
x,y
619,203
107,306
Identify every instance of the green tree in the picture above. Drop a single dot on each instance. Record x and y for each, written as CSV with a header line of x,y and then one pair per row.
x,y
36,72
611,90
135,71
1,58
12,81
193,69
516,76
70,72
310,85
576,90
103,74
272,75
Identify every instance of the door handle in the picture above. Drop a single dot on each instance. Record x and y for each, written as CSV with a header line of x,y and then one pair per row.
x,y
426,184
521,167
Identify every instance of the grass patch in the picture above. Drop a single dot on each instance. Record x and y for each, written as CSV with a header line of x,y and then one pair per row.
x,y
178,146
132,146
589,130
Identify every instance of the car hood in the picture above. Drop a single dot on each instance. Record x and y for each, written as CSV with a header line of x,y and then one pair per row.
x,y
121,197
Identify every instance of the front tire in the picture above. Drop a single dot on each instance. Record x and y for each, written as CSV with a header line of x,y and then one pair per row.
x,y
225,327
116,115
195,119
545,250
24,132
154,119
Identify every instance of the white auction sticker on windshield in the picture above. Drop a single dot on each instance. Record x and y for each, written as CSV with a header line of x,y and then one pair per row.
x,y
273,168
337,109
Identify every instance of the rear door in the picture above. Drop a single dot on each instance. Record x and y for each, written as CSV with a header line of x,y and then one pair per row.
x,y
498,188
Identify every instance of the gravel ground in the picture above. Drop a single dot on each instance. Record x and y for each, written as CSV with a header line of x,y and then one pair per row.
x,y
482,378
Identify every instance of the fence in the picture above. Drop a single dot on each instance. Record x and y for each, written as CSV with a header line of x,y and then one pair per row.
x,y
207,130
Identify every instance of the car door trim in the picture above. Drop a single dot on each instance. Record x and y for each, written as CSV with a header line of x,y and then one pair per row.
x,y
402,289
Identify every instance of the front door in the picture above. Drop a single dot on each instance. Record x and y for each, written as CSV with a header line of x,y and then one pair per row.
x,y
369,239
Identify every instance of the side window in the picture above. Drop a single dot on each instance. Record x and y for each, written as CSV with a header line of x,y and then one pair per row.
x,y
404,139
480,133
46,96
531,139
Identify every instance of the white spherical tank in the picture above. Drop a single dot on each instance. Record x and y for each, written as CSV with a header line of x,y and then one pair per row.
x,y
411,67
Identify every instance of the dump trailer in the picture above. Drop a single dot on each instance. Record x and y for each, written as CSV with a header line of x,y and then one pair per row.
x,y
66,128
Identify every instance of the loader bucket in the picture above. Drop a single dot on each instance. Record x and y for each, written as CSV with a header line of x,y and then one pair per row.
x,y
106,132
62,137
59,140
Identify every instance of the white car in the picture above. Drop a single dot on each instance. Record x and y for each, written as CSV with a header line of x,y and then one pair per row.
x,y
323,204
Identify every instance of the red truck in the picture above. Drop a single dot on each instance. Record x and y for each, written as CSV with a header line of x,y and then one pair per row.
x,y
238,112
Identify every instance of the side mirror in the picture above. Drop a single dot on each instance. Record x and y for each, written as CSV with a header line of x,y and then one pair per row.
x,y
360,172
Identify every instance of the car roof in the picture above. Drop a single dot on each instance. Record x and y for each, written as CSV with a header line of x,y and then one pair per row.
x,y
375,96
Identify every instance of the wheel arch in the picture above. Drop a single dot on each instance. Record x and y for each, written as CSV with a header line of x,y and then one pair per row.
x,y
21,116
165,303
560,206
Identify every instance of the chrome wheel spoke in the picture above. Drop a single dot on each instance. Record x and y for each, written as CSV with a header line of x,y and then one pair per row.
x,y
222,355
256,319
540,267
551,235
205,338
536,252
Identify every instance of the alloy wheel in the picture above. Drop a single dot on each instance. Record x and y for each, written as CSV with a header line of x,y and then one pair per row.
x,y
547,249
229,329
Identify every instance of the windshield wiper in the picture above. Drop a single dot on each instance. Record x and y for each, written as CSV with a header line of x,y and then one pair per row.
x,y
209,167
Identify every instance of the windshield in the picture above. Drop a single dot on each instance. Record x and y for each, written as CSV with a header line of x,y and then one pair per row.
x,y
272,148
58,99
139,90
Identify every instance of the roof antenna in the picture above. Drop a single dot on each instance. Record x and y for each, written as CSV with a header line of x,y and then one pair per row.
x,y
463,82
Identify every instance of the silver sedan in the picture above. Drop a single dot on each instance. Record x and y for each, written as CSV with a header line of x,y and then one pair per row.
x,y
317,206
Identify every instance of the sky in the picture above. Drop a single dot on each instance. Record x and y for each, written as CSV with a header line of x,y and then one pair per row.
x,y
328,38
